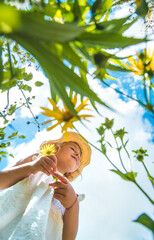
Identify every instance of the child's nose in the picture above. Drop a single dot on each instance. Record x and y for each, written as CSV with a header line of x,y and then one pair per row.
x,y
77,154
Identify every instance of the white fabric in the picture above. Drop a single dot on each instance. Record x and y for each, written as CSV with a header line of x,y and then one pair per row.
x,y
28,211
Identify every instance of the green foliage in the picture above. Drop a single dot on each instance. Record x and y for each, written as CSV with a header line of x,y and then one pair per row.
x,y
142,8
129,176
146,221
38,84
21,136
120,133
140,154
123,171
41,32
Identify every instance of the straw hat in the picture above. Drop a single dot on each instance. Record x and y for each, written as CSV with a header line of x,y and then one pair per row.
x,y
85,149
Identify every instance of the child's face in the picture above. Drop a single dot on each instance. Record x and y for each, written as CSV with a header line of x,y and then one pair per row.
x,y
68,157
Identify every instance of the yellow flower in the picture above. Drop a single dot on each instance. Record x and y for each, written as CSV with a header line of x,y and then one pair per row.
x,y
47,149
143,64
64,117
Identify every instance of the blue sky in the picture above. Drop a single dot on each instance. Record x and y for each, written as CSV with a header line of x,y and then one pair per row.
x,y
111,204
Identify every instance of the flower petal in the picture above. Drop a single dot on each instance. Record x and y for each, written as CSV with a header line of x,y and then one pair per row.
x,y
54,105
74,100
48,121
53,126
51,113
82,105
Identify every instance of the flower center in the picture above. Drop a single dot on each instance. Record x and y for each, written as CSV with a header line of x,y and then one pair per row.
x,y
67,116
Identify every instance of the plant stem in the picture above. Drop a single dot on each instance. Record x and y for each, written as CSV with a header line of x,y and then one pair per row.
x,y
37,123
12,74
9,53
97,150
116,167
119,152
124,94
143,192
7,99
147,172
128,156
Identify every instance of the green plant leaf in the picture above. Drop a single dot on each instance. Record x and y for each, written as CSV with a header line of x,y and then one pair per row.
x,y
108,123
14,134
27,77
120,133
103,148
130,176
11,155
107,40
72,57
1,65
117,68
29,24
2,153
63,76
113,26
38,83
21,136
146,221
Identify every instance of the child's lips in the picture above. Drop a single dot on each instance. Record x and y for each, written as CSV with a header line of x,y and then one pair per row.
x,y
76,159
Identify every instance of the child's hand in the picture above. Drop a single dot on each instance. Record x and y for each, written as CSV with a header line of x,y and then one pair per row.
x,y
63,191
46,164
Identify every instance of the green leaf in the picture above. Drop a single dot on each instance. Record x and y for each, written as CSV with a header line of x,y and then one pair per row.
x,y
107,40
117,68
2,135
26,87
38,83
101,6
1,65
56,179
72,57
140,154
101,130
11,22
142,8
108,123
27,77
14,134
21,136
107,5
101,60
103,148
126,176
2,153
112,26
11,155
34,27
59,75
146,221
120,133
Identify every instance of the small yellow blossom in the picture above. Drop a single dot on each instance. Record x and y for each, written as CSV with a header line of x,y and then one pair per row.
x,y
143,64
64,117
47,149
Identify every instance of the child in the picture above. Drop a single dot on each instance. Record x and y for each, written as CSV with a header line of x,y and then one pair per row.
x,y
35,206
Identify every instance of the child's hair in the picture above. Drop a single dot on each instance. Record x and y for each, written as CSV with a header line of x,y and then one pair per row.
x,y
84,147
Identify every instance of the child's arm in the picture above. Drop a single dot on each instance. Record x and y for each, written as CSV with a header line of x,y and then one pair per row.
x,y
71,217
26,160
12,175
64,192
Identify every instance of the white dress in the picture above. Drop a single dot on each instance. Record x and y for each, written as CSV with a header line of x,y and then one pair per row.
x,y
28,211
